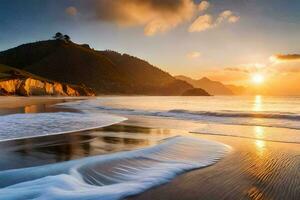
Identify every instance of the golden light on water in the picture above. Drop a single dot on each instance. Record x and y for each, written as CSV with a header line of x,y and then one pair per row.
x,y
257,104
260,144
260,147
259,132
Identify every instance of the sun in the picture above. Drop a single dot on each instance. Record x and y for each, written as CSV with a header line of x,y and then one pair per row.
x,y
258,78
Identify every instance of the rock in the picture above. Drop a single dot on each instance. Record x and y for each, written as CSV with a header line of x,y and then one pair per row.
x,y
35,87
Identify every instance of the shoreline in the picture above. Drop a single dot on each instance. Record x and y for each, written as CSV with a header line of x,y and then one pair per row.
x,y
255,169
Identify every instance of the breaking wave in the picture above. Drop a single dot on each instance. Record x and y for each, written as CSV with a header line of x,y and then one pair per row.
x,y
113,176
19,126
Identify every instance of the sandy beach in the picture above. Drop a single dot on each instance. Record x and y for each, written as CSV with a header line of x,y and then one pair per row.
x,y
254,170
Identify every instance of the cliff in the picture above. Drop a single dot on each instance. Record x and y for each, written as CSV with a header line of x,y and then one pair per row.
x,y
18,82
31,87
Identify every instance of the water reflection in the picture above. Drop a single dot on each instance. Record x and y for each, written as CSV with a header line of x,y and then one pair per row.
x,y
260,147
258,104
259,132
260,144
52,149
35,108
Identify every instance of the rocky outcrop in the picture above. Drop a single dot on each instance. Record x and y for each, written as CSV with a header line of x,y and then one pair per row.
x,y
35,87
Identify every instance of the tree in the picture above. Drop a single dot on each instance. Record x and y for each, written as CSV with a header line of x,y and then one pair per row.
x,y
58,36
67,38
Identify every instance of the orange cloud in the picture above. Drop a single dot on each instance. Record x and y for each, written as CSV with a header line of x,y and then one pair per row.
x,y
203,5
193,55
236,69
156,16
206,22
286,57
72,11
202,23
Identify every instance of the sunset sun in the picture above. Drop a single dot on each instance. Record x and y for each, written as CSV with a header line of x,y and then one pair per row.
x,y
257,78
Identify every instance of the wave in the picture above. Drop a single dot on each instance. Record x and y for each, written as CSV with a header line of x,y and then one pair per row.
x,y
268,119
20,126
113,176
271,134
269,115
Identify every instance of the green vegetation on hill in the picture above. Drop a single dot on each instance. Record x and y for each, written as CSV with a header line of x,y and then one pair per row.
x,y
106,72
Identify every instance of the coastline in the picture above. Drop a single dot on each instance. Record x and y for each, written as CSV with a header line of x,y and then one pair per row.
x,y
255,169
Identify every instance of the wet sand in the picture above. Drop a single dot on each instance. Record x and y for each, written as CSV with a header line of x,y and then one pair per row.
x,y
255,169
58,148
12,104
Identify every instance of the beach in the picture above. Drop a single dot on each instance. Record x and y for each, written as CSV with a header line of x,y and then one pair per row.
x,y
252,168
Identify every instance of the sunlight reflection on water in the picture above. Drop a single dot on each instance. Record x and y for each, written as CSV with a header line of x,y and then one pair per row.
x,y
258,103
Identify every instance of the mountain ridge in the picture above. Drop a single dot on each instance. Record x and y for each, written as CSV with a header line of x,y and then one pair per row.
x,y
212,87
106,72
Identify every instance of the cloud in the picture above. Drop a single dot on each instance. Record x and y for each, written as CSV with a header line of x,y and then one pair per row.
x,y
247,68
285,63
285,57
236,69
233,19
228,16
202,23
155,16
203,5
72,11
206,22
193,55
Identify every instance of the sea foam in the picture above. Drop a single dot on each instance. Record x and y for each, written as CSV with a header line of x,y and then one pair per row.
x,y
19,126
113,176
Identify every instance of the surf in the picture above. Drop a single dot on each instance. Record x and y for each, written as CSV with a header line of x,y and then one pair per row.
x,y
112,176
21,126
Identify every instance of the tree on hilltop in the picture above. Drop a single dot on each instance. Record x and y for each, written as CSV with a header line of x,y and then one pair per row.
x,y
60,36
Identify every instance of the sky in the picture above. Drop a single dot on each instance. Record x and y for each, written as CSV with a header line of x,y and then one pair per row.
x,y
226,40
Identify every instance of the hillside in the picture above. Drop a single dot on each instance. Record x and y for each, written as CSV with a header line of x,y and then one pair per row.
x,y
106,72
212,87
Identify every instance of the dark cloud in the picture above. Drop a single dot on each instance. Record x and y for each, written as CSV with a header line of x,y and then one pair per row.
x,y
156,16
287,57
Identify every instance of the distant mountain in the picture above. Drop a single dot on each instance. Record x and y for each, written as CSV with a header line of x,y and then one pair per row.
x,y
195,92
237,90
106,72
212,87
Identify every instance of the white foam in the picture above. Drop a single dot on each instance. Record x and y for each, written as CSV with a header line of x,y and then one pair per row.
x,y
18,126
113,176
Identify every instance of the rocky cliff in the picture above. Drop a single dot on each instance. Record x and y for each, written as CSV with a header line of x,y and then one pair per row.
x,y
31,86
